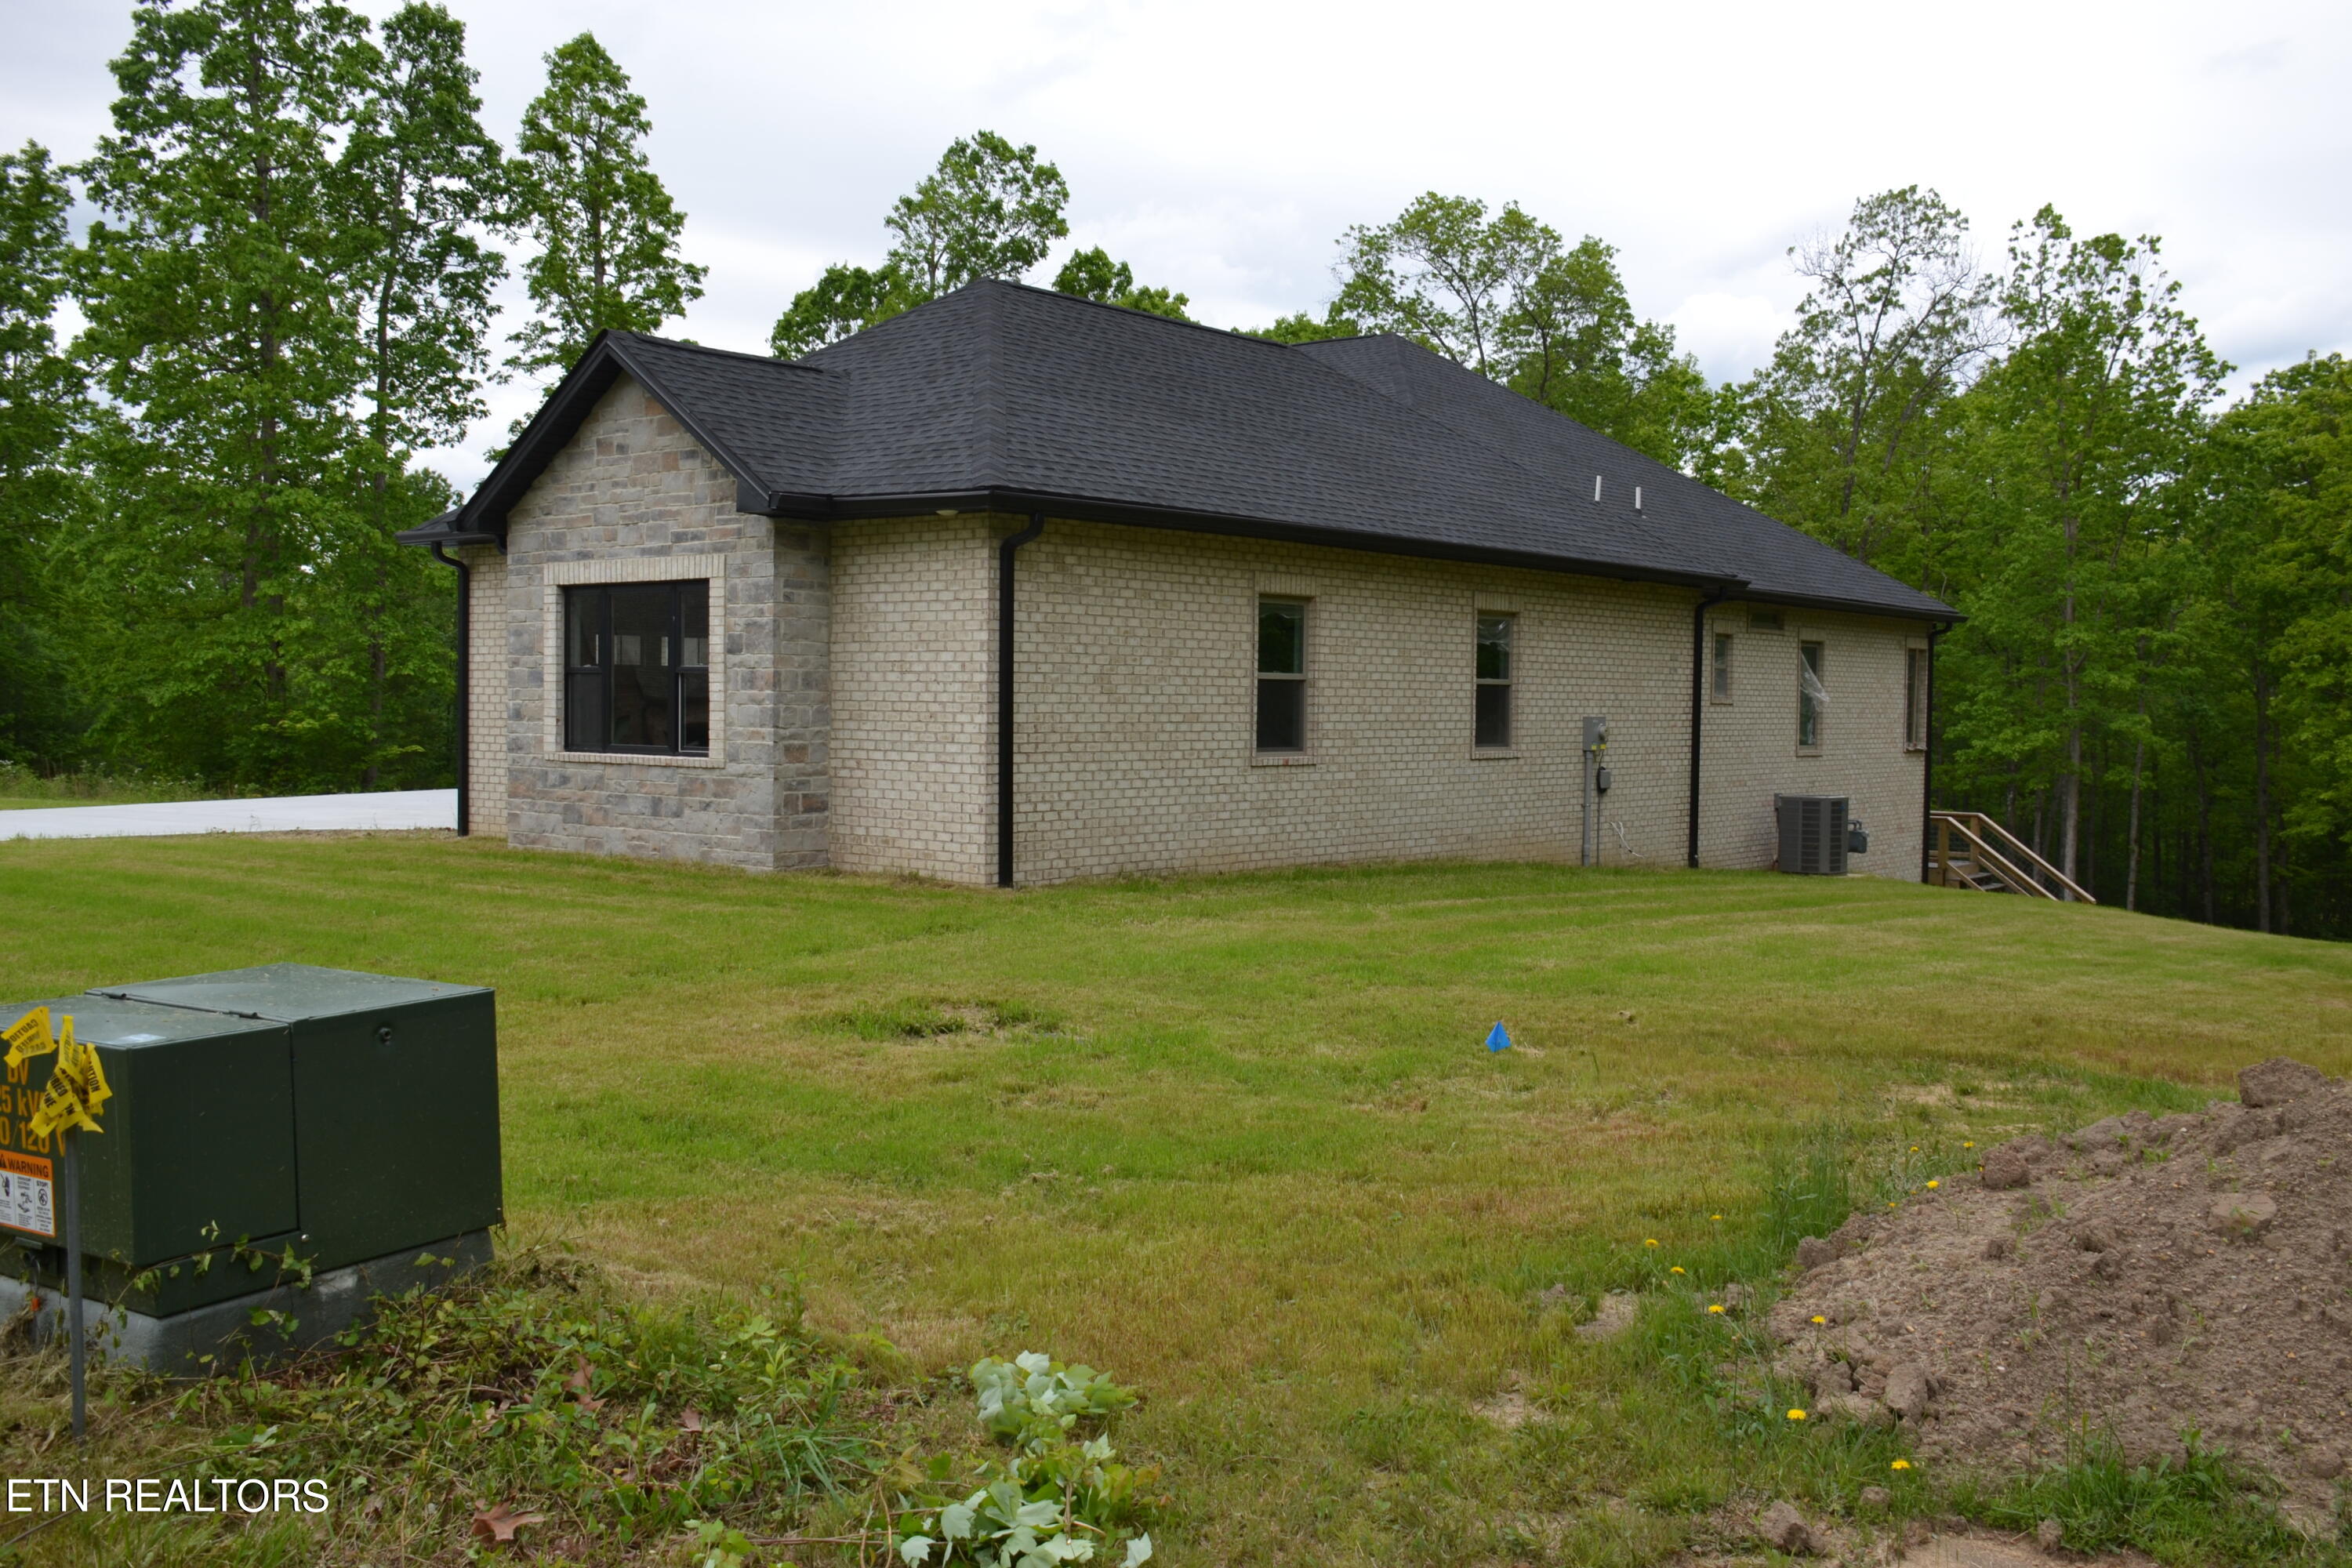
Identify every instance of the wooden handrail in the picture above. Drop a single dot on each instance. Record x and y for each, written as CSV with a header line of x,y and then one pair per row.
x,y
1977,829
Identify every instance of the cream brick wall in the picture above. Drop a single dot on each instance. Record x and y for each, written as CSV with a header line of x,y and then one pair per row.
x,y
633,497
486,699
1136,689
914,704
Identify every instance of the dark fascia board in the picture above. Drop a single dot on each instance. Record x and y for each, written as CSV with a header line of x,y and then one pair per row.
x,y
609,356
1943,615
1083,509
442,530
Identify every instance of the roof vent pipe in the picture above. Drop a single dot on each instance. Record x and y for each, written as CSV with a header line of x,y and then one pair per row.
x,y
1596,489
1637,497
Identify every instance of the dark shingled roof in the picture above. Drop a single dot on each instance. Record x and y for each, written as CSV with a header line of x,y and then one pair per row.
x,y
1004,397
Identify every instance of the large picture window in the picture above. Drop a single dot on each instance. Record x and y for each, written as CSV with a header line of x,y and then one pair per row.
x,y
636,668
1281,675
1494,720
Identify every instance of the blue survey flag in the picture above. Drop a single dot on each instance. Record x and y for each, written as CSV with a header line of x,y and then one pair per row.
x,y
1499,1038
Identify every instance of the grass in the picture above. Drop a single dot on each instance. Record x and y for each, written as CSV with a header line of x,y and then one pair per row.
x,y
1237,1139
22,789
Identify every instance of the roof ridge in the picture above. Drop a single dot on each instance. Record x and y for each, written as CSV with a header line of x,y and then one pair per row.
x,y
1226,334
661,342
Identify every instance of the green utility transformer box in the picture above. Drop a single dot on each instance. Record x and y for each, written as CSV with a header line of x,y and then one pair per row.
x,y
287,1137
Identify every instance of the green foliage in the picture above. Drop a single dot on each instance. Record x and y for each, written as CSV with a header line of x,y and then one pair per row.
x,y
1843,431
1055,1498
1505,296
606,228
42,404
235,541
2199,1506
1304,328
1093,275
535,1384
846,300
989,210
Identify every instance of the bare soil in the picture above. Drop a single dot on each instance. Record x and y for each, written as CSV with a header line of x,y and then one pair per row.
x,y
2145,1278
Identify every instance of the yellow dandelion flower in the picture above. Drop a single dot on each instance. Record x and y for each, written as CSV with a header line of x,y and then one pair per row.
x,y
1819,1319
1915,1148
1650,1241
1714,1307
1900,1465
1933,1186
1796,1415
1677,1268
1714,1217
1968,1145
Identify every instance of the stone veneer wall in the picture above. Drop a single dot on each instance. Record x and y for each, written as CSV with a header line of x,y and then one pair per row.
x,y
1136,699
632,496
486,696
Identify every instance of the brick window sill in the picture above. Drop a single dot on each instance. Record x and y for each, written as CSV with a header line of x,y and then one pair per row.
x,y
1281,759
1494,754
644,759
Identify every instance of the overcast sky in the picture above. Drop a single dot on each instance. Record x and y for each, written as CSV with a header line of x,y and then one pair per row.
x,y
1221,145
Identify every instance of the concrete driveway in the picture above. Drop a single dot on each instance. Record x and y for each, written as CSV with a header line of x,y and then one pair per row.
x,y
385,810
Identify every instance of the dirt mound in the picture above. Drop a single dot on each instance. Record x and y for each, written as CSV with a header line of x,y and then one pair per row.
x,y
2144,1277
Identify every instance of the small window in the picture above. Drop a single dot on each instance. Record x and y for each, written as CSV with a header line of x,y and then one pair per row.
x,y
636,668
1764,620
1721,682
1915,698
1812,698
1281,675
1494,718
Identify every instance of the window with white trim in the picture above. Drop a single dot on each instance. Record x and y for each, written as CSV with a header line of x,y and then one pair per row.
x,y
1281,675
1813,697
1720,679
1493,720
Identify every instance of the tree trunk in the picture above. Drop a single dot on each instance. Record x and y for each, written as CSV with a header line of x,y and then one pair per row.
x,y
2261,797
2131,855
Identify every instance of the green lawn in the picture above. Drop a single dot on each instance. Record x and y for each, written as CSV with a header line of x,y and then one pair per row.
x,y
1237,1139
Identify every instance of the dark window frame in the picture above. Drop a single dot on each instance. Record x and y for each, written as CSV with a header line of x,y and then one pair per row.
x,y
593,733
1915,698
1493,718
1811,656
1282,696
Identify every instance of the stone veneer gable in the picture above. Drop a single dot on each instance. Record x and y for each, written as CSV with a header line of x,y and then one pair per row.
x,y
629,495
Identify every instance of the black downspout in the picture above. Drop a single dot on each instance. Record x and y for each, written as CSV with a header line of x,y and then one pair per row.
x,y
1004,549
1927,776
465,693
1698,705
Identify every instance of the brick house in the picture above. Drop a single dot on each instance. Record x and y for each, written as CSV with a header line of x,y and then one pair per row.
x,y
1017,587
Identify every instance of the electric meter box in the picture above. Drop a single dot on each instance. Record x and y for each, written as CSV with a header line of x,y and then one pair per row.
x,y
330,1122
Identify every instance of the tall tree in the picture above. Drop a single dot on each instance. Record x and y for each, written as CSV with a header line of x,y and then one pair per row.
x,y
220,324
1443,274
2094,419
41,405
1506,298
989,210
421,181
1843,426
606,228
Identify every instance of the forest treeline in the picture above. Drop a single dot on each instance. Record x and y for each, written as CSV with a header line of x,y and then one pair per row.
x,y
286,296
